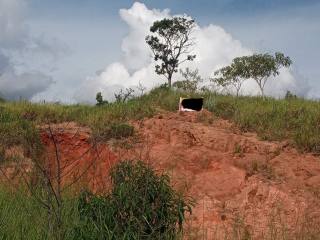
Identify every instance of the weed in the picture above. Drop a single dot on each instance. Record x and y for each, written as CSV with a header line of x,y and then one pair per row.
x,y
238,150
114,131
260,167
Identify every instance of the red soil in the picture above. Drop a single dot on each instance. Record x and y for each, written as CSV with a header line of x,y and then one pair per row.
x,y
83,163
240,183
235,178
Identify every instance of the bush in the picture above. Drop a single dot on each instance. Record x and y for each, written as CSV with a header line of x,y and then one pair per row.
x,y
289,95
100,101
141,205
113,131
121,130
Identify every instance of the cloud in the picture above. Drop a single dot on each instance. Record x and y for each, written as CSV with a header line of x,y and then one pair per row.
x,y
23,86
15,43
13,31
214,48
4,64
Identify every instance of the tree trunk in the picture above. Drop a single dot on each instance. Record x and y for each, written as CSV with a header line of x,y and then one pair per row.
x,y
237,90
262,92
169,81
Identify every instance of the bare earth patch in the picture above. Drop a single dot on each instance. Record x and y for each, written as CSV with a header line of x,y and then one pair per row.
x,y
244,188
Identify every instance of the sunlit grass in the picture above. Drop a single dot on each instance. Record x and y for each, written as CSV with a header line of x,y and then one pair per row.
x,y
297,120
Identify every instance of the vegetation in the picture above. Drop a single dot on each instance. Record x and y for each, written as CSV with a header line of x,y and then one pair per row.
x,y
293,118
261,66
233,75
141,205
289,95
170,42
123,96
190,82
113,131
100,100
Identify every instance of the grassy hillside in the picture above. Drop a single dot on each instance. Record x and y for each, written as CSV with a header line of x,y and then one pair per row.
x,y
296,120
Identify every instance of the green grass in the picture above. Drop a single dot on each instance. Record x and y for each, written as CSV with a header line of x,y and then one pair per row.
x,y
296,120
22,217
140,205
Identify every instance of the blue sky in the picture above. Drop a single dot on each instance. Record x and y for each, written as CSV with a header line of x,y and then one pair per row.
x,y
89,33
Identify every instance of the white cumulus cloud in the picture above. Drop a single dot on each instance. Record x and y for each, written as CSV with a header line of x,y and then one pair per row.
x,y
214,48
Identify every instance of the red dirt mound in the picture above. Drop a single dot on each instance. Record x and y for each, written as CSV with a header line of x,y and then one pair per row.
x,y
236,179
242,186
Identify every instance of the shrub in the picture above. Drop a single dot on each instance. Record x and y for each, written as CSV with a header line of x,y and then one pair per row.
x,y
113,131
100,101
121,130
185,85
289,95
225,109
141,205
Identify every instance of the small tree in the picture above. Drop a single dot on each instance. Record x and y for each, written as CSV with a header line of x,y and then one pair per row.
x,y
171,41
289,95
190,82
100,100
261,66
141,89
233,75
122,96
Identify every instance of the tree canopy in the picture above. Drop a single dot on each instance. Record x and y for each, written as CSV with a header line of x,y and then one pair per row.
x,y
234,75
171,44
257,66
262,66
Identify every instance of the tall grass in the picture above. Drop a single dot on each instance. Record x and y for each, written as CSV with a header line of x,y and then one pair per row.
x,y
140,205
296,120
22,217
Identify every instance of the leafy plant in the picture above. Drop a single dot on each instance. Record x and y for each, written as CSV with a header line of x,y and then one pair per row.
x,y
141,205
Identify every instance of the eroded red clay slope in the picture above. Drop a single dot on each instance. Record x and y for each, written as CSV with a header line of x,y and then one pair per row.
x,y
239,182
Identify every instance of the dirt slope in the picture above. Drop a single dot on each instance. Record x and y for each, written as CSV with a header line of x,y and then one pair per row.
x,y
242,186
235,178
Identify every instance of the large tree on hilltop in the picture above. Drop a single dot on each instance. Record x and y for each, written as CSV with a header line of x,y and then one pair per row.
x,y
171,44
